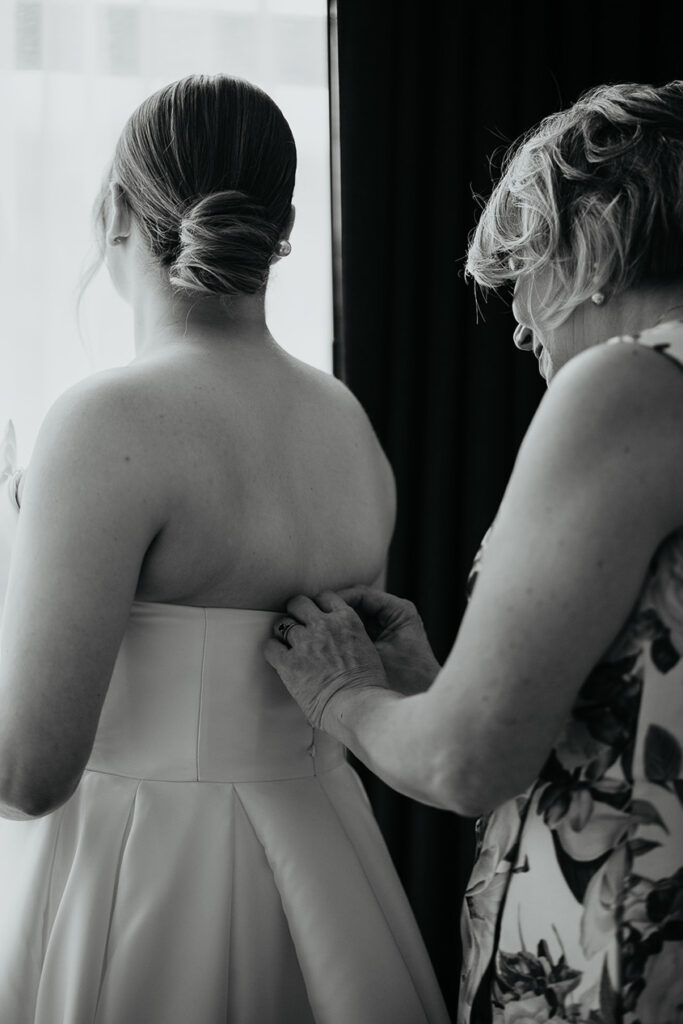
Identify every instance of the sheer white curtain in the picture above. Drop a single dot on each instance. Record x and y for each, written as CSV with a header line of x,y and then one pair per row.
x,y
70,74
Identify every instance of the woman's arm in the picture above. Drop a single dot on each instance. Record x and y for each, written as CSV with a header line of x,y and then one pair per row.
x,y
595,489
91,505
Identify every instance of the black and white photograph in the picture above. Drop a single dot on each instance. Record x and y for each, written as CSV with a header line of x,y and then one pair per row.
x,y
341,512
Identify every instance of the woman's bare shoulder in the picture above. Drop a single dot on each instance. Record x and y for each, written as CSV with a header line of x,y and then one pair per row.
x,y
622,385
616,405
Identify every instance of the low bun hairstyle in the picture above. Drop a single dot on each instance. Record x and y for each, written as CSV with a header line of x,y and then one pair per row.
x,y
226,245
207,166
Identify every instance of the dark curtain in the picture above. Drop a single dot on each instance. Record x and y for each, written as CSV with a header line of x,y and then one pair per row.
x,y
429,92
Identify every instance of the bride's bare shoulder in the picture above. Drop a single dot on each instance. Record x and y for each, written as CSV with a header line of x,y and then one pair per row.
x,y
340,405
125,398
96,425
336,397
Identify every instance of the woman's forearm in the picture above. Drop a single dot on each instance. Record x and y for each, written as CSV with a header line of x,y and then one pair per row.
x,y
390,733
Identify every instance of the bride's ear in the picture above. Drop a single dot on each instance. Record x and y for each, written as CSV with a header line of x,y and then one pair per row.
x,y
119,215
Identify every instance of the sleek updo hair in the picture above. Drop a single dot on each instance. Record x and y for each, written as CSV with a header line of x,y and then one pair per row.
x,y
593,196
207,166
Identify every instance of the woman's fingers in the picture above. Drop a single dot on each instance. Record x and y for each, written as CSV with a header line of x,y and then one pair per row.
x,y
318,659
275,653
303,609
285,627
329,601
372,603
366,600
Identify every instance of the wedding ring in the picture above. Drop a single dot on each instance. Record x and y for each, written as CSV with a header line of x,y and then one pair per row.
x,y
285,628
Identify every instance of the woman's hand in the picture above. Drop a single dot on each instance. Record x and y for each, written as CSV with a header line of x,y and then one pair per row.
x,y
395,627
322,652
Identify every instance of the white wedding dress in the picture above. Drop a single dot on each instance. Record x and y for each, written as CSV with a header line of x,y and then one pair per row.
x,y
219,861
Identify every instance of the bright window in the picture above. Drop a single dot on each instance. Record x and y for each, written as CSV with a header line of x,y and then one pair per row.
x,y
70,74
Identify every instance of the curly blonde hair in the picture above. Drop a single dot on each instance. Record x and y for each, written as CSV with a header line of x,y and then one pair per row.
x,y
593,196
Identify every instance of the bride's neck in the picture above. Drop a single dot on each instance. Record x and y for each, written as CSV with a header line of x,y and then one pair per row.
x,y
163,317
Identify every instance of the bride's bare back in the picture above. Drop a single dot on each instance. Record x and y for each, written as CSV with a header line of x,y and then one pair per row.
x,y
278,483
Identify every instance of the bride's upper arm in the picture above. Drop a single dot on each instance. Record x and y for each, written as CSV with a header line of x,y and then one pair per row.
x,y
92,502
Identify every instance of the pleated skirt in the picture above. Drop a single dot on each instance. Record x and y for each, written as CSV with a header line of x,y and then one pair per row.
x,y
154,902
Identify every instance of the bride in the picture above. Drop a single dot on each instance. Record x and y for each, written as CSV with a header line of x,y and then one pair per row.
x,y
176,844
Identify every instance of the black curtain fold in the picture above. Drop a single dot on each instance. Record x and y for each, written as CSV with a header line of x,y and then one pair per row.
x,y
429,92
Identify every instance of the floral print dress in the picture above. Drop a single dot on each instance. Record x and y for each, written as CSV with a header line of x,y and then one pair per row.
x,y
574,910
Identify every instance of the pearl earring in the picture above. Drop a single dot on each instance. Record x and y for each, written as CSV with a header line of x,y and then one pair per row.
x,y
283,247
597,298
117,239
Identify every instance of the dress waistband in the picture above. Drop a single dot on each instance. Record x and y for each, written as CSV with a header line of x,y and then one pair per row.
x,y
322,754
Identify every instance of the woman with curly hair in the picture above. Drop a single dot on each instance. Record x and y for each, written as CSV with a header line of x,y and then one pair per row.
x,y
558,715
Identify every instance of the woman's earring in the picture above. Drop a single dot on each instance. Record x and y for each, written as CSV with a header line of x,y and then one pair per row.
x,y
283,247
117,239
597,298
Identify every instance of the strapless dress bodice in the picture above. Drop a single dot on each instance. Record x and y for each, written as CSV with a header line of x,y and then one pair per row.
x,y
192,699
